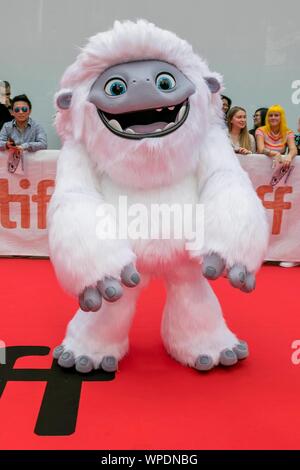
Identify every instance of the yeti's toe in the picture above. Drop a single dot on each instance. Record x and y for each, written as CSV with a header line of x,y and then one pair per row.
x,y
249,283
109,364
213,266
228,357
129,276
204,363
110,288
58,351
84,364
66,359
241,350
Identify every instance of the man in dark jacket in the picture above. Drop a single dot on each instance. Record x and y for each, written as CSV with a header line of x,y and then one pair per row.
x,y
5,115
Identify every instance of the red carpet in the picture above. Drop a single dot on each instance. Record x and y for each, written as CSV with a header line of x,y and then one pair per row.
x,y
155,403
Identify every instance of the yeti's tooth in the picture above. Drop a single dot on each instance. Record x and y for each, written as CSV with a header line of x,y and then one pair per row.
x,y
159,109
157,130
181,113
130,131
113,123
171,124
171,108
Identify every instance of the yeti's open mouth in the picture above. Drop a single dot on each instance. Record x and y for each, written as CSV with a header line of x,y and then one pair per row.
x,y
146,123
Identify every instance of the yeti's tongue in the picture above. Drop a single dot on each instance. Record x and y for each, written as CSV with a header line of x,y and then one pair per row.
x,y
148,128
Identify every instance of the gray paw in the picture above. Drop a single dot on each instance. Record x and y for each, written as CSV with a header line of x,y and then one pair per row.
x,y
109,288
228,357
84,364
213,266
109,364
66,359
204,363
241,279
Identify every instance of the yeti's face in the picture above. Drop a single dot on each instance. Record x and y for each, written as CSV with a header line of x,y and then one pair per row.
x,y
142,99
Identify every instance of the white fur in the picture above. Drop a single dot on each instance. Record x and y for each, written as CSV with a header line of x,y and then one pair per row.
x,y
104,333
193,164
193,323
80,258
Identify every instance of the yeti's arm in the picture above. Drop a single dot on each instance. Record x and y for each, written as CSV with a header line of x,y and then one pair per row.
x,y
235,226
80,258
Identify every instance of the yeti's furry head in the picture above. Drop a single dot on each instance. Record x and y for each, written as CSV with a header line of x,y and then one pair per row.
x,y
147,162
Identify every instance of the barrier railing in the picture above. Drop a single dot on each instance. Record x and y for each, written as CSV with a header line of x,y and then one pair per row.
x,y
24,198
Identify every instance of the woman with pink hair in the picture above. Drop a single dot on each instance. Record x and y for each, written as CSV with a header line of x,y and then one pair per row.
x,y
273,140
275,137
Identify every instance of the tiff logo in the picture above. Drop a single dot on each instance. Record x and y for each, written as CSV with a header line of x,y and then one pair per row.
x,y
277,205
41,199
59,409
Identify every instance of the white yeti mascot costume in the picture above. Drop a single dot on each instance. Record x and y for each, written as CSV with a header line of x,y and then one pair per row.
x,y
140,116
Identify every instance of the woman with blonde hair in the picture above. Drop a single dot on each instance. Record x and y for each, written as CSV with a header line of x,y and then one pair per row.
x,y
242,142
275,137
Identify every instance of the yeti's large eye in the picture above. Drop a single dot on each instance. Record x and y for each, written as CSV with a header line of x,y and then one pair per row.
x,y
115,87
165,82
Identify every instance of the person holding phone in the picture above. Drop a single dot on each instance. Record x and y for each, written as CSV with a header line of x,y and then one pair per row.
x,y
22,133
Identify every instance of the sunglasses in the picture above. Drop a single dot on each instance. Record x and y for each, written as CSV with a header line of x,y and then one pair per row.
x,y
24,109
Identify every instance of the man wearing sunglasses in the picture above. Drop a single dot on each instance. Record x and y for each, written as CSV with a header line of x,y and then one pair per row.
x,y
22,133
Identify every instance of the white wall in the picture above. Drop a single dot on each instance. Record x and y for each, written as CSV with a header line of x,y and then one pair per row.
x,y
254,44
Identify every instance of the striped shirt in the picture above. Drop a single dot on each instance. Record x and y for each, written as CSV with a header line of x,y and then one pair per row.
x,y
275,142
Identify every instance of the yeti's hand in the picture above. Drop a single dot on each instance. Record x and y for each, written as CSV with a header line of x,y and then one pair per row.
x,y
213,267
109,288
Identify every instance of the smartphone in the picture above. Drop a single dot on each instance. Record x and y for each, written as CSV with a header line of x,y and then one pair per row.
x,y
11,141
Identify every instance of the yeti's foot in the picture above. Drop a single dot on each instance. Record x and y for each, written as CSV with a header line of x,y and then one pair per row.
x,y
227,357
67,358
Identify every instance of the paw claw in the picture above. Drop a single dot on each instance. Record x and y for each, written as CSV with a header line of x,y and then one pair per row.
x,y
241,279
250,283
90,300
241,350
110,288
66,359
204,363
228,357
84,364
213,266
109,364
129,276
58,351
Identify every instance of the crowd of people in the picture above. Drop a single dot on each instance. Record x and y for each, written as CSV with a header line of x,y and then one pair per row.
x,y
270,135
